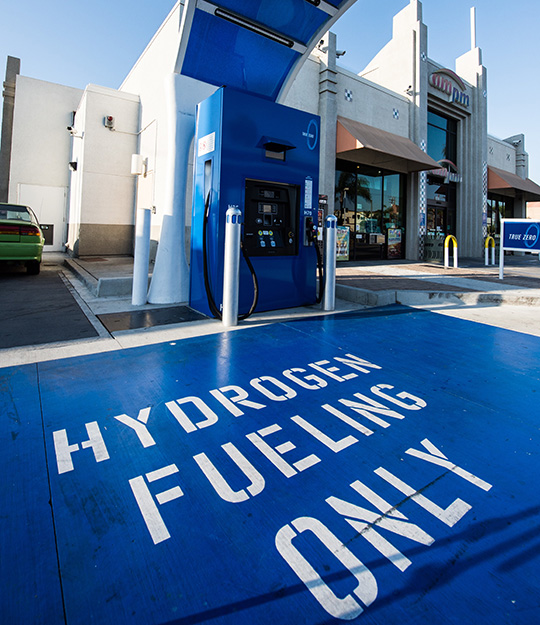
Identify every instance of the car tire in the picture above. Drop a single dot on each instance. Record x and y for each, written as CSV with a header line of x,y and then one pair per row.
x,y
33,267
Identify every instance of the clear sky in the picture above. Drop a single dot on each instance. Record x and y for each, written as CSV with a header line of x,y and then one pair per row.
x,y
76,43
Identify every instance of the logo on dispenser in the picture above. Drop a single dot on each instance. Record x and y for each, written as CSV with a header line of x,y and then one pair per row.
x,y
312,134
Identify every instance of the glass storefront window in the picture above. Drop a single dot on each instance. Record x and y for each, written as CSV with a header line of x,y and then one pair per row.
x,y
441,192
442,137
498,208
392,213
345,200
370,203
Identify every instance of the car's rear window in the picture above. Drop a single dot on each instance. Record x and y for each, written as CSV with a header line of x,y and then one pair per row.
x,y
15,213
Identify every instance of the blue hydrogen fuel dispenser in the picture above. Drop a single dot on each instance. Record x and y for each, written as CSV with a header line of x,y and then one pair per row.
x,y
262,158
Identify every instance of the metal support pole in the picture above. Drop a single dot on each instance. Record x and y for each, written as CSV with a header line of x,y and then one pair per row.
x,y
231,267
141,257
330,254
501,252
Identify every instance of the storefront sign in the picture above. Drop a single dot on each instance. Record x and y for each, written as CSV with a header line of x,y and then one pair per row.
x,y
446,172
448,82
521,235
394,243
342,242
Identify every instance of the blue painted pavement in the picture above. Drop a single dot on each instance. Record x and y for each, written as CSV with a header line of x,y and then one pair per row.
x,y
377,467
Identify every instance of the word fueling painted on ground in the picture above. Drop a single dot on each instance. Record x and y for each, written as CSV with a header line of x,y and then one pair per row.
x,y
240,471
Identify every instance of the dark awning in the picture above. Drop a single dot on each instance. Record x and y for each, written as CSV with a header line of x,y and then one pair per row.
x,y
507,183
364,144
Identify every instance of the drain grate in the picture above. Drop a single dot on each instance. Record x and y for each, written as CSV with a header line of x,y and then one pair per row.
x,y
133,320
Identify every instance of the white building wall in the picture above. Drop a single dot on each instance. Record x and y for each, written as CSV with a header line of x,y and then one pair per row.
x,y
148,79
501,154
472,147
304,92
371,104
103,190
41,151
41,143
394,66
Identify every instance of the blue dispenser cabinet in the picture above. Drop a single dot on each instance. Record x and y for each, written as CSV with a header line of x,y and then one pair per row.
x,y
262,158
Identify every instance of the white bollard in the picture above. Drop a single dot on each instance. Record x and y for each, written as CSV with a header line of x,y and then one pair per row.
x,y
330,255
231,267
141,257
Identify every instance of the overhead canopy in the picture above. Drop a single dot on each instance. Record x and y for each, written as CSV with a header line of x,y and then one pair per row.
x,y
256,46
504,182
370,146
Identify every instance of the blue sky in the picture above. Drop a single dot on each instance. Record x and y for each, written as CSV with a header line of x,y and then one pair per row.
x,y
77,43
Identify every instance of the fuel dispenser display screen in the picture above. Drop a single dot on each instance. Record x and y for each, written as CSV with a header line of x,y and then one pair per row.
x,y
271,218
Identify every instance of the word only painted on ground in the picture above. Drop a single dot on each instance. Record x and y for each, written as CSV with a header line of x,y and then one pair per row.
x,y
368,524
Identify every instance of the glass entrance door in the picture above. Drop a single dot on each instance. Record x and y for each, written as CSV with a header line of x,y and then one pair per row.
x,y
370,203
436,231
436,221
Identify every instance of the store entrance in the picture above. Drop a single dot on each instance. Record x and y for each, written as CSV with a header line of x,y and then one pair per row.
x,y
437,222
441,217
369,206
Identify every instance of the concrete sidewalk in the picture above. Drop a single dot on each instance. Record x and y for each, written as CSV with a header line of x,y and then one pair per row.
x,y
102,287
381,283
473,292
368,283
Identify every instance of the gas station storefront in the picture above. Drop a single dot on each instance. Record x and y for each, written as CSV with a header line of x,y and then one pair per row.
x,y
371,184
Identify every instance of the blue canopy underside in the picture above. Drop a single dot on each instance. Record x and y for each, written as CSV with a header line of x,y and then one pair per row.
x,y
245,55
236,57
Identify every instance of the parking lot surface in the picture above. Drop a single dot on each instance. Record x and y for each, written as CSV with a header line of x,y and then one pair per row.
x,y
377,466
38,310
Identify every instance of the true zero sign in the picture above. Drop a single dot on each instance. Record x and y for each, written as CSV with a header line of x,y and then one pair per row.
x,y
518,235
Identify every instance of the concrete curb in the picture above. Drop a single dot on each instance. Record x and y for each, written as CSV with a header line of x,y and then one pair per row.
x,y
420,298
365,297
100,287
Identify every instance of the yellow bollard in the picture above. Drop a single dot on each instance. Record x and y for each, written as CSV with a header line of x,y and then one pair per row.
x,y
489,242
449,238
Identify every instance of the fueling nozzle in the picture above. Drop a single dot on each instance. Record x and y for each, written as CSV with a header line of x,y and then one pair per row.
x,y
310,231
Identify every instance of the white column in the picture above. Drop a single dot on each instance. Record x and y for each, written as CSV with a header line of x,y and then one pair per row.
x,y
170,278
141,257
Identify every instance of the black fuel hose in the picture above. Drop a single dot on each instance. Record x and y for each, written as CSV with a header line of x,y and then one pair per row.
x,y
322,273
211,302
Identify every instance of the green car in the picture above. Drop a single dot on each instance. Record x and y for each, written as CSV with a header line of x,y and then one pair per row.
x,y
21,238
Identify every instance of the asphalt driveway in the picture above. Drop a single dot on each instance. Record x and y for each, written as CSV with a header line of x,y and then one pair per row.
x,y
39,309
